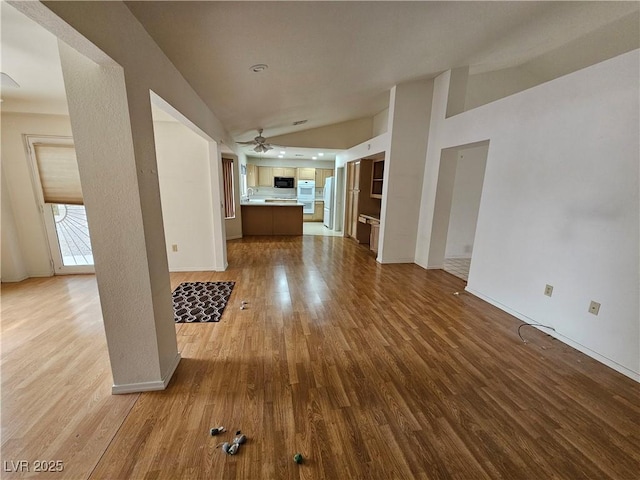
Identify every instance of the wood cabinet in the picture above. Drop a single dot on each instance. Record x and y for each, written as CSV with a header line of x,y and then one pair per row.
x,y
265,176
306,173
321,176
359,202
272,220
318,213
252,175
377,178
353,192
284,172
373,239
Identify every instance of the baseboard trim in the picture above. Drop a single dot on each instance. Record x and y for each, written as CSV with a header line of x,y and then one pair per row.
x,y
192,269
581,348
235,237
148,386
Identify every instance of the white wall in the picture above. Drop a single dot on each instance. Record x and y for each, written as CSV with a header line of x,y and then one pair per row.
x,y
13,268
559,206
381,122
185,192
467,189
17,172
409,114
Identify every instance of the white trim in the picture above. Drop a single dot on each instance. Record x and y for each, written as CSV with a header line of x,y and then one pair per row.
x,y
235,237
581,348
148,386
192,269
14,279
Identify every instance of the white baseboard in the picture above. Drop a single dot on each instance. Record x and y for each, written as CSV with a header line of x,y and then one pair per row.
x,y
581,348
14,279
192,269
148,386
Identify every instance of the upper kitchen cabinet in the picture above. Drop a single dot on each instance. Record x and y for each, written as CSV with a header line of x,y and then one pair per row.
x,y
252,175
322,174
265,176
284,172
377,177
306,173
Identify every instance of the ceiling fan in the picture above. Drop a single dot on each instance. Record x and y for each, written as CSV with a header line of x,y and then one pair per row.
x,y
261,145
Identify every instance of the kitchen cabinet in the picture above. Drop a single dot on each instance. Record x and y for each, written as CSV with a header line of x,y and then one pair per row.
x,y
359,202
284,172
353,192
264,219
377,178
318,214
265,176
373,240
252,175
306,173
321,176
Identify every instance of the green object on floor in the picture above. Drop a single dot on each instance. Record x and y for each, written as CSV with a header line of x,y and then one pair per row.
x,y
298,458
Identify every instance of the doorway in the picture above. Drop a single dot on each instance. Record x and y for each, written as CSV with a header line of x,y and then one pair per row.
x,y
460,181
57,186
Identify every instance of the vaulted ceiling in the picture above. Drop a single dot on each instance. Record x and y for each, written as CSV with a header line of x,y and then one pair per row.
x,y
330,62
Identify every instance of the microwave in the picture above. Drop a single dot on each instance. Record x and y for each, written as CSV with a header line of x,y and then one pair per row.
x,y
283,182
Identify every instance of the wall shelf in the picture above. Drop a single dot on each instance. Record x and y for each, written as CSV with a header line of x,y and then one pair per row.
x,y
377,178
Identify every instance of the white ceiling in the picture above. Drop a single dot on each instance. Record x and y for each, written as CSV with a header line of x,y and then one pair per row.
x,y
30,56
328,61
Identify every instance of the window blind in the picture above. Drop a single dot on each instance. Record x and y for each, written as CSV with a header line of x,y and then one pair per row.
x,y
59,176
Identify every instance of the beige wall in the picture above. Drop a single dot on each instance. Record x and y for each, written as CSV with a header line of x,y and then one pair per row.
x,y
17,172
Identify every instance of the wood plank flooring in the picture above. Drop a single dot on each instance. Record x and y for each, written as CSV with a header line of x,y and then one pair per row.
x,y
370,371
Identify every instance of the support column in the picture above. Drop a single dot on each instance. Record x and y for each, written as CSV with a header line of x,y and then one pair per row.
x,y
409,115
113,134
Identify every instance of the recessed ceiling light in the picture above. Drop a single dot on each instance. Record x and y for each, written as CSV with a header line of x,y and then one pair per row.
x,y
280,156
300,122
314,158
282,152
321,154
259,67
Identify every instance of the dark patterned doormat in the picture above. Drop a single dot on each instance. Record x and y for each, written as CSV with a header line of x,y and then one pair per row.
x,y
200,301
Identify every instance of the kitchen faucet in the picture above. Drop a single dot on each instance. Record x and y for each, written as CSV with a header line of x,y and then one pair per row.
x,y
249,191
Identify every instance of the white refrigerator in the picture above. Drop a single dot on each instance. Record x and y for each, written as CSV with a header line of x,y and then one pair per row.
x,y
327,195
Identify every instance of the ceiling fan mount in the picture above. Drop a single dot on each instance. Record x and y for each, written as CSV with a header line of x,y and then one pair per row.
x,y
259,142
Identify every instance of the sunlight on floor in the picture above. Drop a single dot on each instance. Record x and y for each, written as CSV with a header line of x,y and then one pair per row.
x,y
317,228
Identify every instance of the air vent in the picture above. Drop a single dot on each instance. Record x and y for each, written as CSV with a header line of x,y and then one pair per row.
x,y
300,122
299,155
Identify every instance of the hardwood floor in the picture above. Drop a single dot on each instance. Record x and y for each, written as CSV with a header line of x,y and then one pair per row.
x,y
370,371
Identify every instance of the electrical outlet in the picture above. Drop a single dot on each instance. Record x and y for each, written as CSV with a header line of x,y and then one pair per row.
x,y
548,290
174,247
594,307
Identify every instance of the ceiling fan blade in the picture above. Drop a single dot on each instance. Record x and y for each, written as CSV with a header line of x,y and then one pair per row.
x,y
267,147
252,142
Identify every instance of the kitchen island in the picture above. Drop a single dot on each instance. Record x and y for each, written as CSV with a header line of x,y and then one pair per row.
x,y
271,218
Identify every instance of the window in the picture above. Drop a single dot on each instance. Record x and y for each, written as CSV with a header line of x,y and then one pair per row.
x,y
227,177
